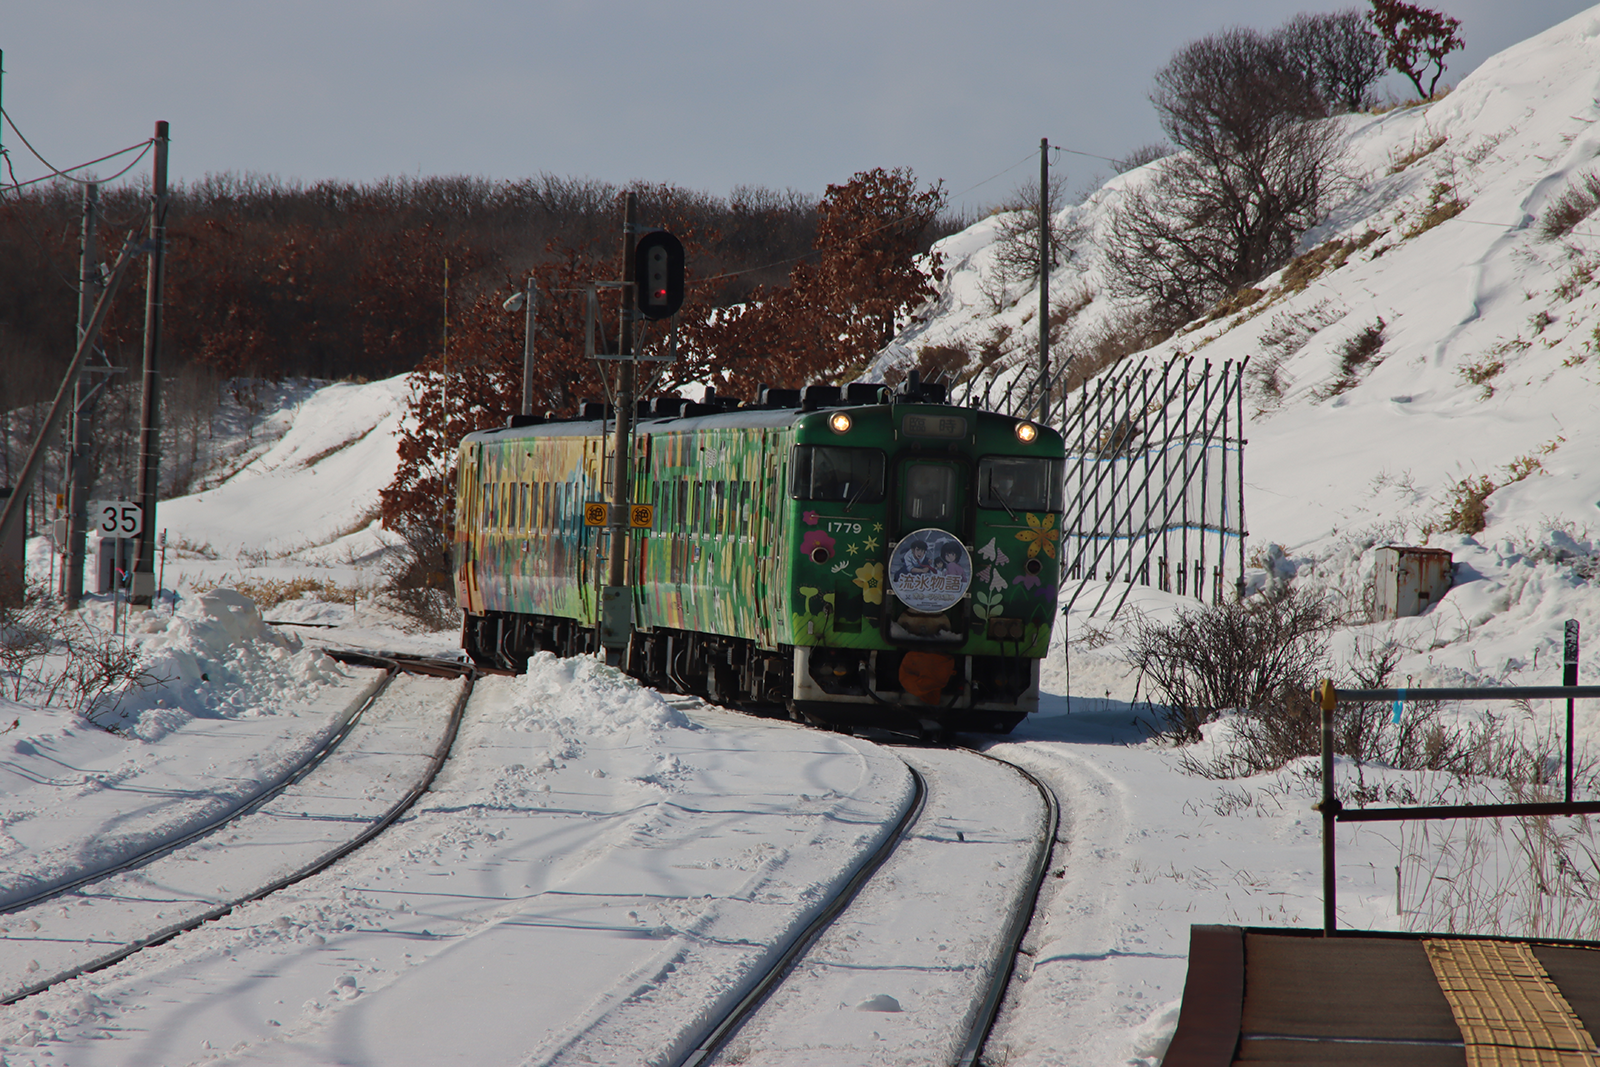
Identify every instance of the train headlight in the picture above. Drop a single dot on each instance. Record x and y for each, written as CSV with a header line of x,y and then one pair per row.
x,y
1026,432
839,422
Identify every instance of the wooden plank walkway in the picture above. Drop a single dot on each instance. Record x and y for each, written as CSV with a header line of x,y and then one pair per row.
x,y
1290,997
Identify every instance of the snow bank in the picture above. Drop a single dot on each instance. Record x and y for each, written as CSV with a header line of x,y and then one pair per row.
x,y
215,658
223,709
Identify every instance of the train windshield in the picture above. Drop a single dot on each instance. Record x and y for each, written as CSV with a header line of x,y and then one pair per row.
x,y
1019,483
820,472
929,493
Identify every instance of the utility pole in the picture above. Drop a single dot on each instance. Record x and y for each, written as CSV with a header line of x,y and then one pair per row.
x,y
82,400
1044,281
144,575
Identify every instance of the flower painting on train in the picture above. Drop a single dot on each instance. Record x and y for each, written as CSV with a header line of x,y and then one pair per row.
x,y
815,539
869,576
1040,534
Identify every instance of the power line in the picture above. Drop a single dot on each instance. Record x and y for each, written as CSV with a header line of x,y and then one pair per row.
x,y
56,172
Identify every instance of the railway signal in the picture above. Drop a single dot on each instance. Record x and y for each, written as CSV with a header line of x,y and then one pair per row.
x,y
658,274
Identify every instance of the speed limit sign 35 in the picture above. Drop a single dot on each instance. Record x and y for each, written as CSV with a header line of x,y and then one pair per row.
x,y
116,518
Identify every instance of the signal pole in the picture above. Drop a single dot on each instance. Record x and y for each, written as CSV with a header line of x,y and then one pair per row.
x,y
144,576
620,490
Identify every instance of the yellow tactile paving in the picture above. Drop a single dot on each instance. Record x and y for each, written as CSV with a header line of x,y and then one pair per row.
x,y
1509,1011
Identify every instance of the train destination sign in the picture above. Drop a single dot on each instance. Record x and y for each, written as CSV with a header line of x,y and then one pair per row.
x,y
930,570
917,425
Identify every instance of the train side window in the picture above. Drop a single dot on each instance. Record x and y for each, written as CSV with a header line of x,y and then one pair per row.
x,y
929,492
522,513
1020,483
821,472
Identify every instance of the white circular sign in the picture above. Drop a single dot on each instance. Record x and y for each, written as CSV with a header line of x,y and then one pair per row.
x,y
930,570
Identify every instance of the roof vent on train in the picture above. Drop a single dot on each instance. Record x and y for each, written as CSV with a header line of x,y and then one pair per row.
x,y
770,397
915,391
813,397
516,422
668,406
594,409
864,393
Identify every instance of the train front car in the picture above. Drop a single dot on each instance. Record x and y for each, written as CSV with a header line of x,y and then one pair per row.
x,y
923,544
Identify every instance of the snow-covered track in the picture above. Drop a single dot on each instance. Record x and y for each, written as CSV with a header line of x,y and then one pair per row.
x,y
306,823
1021,916
312,760
908,925
725,1027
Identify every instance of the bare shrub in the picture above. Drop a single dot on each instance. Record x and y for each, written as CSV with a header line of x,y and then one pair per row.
x,y
26,635
270,592
101,669
1576,203
1418,149
1468,508
1116,337
1355,353
419,577
1482,374
51,660
1243,655
942,363
1443,205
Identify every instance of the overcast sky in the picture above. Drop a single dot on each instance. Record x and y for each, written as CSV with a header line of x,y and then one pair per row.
x,y
707,94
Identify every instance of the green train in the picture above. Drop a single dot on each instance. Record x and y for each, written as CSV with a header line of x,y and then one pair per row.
x,y
863,557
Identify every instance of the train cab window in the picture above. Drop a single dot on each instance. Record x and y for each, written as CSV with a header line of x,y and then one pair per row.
x,y
928,492
1019,483
821,472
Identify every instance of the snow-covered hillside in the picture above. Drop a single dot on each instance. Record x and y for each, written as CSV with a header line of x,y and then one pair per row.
x,y
1488,366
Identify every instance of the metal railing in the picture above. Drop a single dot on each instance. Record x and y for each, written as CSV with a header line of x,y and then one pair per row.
x,y
1332,811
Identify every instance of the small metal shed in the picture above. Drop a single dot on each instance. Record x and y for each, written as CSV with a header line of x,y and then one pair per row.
x,y
1409,580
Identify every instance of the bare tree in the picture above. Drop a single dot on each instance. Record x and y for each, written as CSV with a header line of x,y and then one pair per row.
x,y
1257,166
1339,54
1017,233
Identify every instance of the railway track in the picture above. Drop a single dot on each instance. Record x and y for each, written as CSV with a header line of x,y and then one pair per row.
x,y
138,894
766,1017
920,841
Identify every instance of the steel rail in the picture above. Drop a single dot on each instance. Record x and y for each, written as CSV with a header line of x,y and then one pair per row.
x,y
317,866
255,803
729,1024
1005,959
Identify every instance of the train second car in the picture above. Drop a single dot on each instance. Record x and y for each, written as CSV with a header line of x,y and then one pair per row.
x,y
862,557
